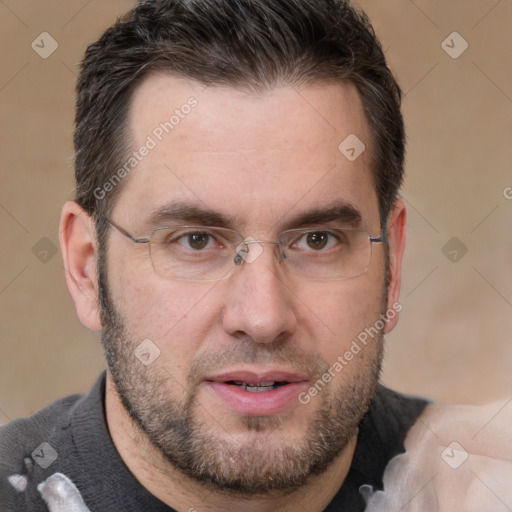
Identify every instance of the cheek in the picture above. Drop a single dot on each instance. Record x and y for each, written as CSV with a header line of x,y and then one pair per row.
x,y
342,311
174,315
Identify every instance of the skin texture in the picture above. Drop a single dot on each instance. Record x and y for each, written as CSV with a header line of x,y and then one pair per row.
x,y
259,160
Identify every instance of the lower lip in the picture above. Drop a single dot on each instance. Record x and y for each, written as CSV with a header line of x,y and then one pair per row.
x,y
261,403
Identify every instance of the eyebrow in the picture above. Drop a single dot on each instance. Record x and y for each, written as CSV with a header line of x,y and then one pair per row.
x,y
342,212
188,213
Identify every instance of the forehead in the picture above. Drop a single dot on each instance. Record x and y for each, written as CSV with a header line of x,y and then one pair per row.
x,y
254,157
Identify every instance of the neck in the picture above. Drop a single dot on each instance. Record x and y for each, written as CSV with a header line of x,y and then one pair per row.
x,y
184,494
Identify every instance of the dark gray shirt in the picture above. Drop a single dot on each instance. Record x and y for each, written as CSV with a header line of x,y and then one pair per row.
x,y
70,438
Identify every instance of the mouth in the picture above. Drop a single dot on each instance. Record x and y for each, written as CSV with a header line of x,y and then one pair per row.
x,y
255,393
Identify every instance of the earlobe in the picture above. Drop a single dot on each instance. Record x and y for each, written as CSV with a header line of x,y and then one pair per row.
x,y
396,245
79,251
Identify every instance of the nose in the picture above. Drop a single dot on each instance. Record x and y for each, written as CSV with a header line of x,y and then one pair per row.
x,y
259,303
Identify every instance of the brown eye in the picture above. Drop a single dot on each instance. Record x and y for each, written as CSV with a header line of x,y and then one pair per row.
x,y
198,241
317,240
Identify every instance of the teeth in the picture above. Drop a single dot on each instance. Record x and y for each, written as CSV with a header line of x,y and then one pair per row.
x,y
255,388
259,384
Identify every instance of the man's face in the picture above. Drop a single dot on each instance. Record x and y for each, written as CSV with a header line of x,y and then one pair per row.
x,y
261,163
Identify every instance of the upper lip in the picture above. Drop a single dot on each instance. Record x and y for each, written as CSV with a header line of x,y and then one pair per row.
x,y
255,377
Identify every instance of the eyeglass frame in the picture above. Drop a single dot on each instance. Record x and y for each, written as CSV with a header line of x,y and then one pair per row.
x,y
237,259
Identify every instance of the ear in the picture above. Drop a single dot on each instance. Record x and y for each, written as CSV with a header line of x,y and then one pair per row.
x,y
396,245
79,251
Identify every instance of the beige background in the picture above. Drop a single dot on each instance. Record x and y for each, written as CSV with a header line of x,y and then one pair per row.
x,y
453,339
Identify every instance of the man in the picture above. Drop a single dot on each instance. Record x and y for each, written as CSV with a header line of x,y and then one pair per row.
x,y
237,238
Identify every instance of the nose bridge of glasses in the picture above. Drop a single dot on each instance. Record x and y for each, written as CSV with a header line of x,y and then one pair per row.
x,y
245,253
252,241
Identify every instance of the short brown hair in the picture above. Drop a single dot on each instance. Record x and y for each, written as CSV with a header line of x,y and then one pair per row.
x,y
247,44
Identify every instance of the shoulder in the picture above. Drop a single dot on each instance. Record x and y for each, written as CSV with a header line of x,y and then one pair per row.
x,y
20,434
23,440
459,456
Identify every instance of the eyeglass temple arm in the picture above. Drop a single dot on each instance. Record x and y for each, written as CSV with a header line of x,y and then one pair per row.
x,y
382,238
124,232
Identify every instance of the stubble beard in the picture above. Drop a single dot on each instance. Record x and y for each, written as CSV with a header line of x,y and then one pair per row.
x,y
197,448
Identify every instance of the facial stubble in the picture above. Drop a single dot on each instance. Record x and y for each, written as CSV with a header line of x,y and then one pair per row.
x,y
205,452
